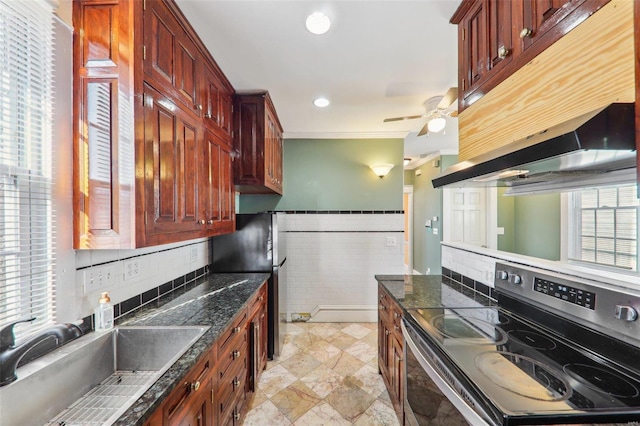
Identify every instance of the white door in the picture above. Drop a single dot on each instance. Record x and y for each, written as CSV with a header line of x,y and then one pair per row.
x,y
466,210
407,205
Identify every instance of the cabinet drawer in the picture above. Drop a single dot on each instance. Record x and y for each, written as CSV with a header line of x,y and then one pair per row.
x,y
231,391
232,360
259,300
237,328
193,384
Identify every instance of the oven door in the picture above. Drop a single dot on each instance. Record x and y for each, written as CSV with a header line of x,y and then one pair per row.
x,y
430,399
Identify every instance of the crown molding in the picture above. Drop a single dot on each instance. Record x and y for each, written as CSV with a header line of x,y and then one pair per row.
x,y
345,135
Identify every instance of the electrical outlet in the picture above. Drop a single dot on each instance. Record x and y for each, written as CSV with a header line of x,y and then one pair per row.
x,y
131,269
391,241
98,278
435,231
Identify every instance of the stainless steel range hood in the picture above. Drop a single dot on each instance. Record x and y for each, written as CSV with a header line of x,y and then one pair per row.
x,y
594,144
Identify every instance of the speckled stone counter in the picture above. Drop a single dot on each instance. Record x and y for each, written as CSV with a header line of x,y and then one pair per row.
x,y
213,302
431,291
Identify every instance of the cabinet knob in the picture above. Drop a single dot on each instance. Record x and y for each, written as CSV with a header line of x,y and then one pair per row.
x,y
198,107
396,327
396,315
236,416
201,222
208,115
210,221
236,330
503,52
236,354
236,382
526,32
195,386
382,307
387,332
261,298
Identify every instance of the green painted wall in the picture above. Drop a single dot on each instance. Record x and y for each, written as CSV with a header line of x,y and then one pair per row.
x,y
427,203
334,174
506,216
537,225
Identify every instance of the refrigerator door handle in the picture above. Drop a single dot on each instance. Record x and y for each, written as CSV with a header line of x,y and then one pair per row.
x,y
282,263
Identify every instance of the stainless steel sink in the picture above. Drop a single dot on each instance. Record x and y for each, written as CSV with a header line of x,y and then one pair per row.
x,y
96,378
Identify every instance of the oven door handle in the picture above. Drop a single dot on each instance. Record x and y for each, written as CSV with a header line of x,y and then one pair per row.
x,y
473,417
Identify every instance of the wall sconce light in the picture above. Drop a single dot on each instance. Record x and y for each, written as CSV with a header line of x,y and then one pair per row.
x,y
381,170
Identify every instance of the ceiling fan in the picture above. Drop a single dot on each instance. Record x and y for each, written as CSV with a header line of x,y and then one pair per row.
x,y
437,109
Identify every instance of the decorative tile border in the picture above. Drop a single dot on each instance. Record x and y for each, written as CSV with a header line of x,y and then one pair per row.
x,y
468,283
183,283
339,211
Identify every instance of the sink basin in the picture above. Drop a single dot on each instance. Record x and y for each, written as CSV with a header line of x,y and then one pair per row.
x,y
96,378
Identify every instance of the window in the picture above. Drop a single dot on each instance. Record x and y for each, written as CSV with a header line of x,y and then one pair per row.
x,y
27,249
604,227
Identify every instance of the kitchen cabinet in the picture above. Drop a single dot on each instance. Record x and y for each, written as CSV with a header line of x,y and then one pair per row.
x,y
216,391
190,403
391,349
496,38
258,143
151,166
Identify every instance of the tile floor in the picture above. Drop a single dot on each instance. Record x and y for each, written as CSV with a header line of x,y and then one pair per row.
x,y
327,374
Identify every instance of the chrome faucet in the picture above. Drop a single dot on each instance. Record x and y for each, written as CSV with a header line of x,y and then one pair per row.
x,y
11,355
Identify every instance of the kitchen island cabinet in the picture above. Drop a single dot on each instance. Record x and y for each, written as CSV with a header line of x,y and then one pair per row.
x,y
145,89
208,384
391,349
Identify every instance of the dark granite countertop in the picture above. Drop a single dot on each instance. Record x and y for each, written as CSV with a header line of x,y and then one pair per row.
x,y
431,291
213,301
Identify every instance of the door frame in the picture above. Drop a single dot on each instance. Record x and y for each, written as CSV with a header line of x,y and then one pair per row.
x,y
408,220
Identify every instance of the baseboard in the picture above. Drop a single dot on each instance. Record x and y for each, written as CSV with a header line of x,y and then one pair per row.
x,y
344,313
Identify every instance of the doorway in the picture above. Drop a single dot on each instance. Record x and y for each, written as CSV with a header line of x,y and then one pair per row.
x,y
407,206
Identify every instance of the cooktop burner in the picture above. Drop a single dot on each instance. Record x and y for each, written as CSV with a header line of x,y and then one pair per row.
x,y
532,339
602,380
468,328
523,376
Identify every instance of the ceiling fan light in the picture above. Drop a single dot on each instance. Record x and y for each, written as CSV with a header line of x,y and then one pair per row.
x,y
436,125
318,23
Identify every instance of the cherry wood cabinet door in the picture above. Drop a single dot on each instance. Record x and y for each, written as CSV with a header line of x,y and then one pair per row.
x,y
171,167
216,185
499,40
540,16
473,56
397,377
171,60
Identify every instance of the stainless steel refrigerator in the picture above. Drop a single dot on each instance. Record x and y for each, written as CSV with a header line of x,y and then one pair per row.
x,y
258,245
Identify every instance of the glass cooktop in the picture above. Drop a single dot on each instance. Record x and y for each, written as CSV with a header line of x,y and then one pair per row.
x,y
524,369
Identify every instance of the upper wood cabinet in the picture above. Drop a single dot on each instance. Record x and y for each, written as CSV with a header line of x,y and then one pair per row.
x,y
258,142
152,165
496,38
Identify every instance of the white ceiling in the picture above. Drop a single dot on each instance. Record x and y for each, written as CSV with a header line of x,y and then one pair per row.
x,y
379,59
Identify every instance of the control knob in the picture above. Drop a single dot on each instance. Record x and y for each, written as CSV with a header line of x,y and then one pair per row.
x,y
515,279
502,275
626,313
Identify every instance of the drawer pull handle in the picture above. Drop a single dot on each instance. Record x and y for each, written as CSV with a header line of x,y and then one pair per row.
x,y
236,416
195,386
387,332
396,327
207,115
210,222
201,221
396,315
503,52
236,354
236,330
260,298
236,382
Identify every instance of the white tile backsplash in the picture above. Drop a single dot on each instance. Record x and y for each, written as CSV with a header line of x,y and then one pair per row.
x,y
332,258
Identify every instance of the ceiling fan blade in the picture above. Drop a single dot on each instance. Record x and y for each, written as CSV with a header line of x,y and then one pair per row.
x,y
408,117
424,130
448,98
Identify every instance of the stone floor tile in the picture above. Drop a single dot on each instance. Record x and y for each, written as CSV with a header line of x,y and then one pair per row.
x,y
295,400
301,364
378,414
344,364
368,379
322,415
275,379
349,400
323,381
266,414
362,351
356,330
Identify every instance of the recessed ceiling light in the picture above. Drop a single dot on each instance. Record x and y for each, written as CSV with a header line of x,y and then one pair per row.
x,y
321,102
318,23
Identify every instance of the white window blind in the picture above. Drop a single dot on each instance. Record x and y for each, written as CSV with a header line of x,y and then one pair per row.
x,y
605,227
27,249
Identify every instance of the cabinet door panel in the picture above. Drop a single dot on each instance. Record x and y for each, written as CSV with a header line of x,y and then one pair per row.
x,y
499,42
100,39
171,164
160,40
539,16
186,72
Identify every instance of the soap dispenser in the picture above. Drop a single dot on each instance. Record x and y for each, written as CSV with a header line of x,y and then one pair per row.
x,y
104,313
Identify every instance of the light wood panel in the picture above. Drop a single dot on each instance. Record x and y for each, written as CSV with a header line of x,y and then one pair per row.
x,y
588,69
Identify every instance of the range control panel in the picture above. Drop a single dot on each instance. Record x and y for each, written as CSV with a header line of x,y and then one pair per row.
x,y
567,293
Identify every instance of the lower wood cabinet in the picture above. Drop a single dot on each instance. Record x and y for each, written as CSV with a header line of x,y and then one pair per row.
x,y
391,349
218,389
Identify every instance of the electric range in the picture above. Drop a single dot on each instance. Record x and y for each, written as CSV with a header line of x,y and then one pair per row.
x,y
554,349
